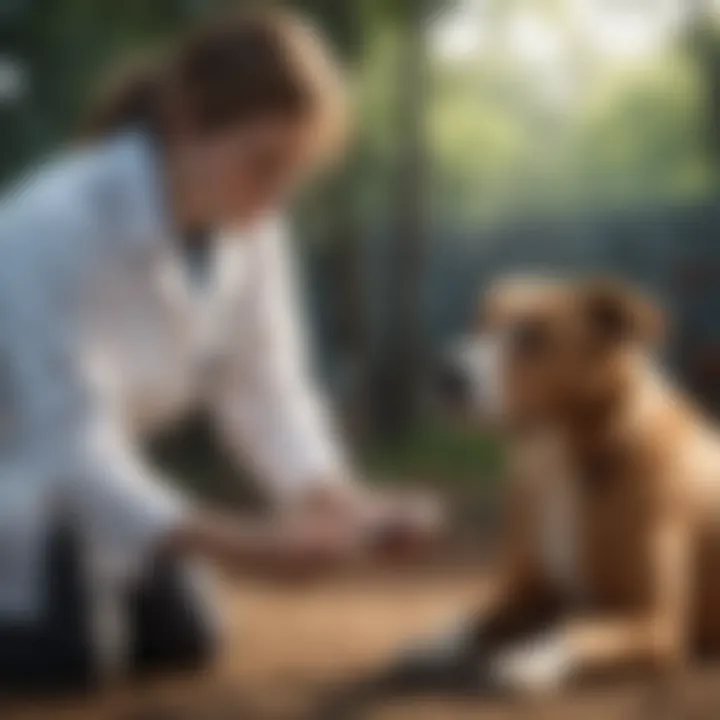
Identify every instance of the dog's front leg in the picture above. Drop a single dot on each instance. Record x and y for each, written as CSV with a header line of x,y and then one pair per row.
x,y
460,657
654,639
520,602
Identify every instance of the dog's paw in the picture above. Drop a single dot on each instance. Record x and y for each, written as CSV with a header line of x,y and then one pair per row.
x,y
541,665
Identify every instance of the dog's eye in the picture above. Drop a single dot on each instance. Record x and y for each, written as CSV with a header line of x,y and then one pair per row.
x,y
529,339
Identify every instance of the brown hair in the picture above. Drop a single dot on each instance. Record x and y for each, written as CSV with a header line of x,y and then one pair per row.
x,y
239,66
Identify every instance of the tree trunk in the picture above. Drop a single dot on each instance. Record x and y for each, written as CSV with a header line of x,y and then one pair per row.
x,y
345,24
705,40
404,381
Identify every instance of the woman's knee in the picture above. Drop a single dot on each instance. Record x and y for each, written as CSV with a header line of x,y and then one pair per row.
x,y
175,624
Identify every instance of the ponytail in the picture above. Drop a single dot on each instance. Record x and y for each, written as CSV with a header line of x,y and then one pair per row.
x,y
131,97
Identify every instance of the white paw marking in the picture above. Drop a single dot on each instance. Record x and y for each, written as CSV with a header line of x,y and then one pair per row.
x,y
541,665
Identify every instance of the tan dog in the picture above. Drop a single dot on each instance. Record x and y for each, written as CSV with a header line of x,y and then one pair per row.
x,y
611,558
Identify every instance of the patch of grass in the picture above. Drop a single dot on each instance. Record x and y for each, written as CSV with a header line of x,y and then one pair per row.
x,y
440,453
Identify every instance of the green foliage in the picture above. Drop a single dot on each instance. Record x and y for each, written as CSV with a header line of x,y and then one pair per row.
x,y
632,137
440,454
641,138
479,146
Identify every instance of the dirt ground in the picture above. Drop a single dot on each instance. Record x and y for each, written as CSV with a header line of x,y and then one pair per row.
x,y
286,650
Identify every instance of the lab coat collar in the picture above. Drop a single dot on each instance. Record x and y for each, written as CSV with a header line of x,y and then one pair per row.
x,y
135,202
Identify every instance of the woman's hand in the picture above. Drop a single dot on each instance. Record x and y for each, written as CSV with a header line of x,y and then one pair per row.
x,y
305,548
322,534
404,525
394,526
288,548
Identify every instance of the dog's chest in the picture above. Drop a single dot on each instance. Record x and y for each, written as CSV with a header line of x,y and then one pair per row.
x,y
590,538
555,510
559,536
614,545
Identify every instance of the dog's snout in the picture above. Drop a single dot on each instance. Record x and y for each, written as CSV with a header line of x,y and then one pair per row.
x,y
451,382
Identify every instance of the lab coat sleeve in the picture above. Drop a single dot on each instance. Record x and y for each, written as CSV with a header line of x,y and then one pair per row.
x,y
270,410
74,438
124,506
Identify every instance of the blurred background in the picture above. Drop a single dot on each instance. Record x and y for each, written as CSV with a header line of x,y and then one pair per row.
x,y
491,135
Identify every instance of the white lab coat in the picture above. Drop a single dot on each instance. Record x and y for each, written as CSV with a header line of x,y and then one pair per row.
x,y
103,337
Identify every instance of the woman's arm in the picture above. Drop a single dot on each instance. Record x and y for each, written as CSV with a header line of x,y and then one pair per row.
x,y
275,549
271,412
269,408
124,510
130,513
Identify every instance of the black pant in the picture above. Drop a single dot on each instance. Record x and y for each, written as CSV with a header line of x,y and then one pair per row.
x,y
167,620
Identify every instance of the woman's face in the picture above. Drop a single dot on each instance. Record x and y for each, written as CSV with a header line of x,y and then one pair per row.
x,y
238,175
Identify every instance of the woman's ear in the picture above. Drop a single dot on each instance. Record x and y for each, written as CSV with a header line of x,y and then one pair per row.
x,y
619,312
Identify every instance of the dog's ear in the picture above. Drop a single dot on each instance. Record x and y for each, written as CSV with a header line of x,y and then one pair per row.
x,y
617,312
